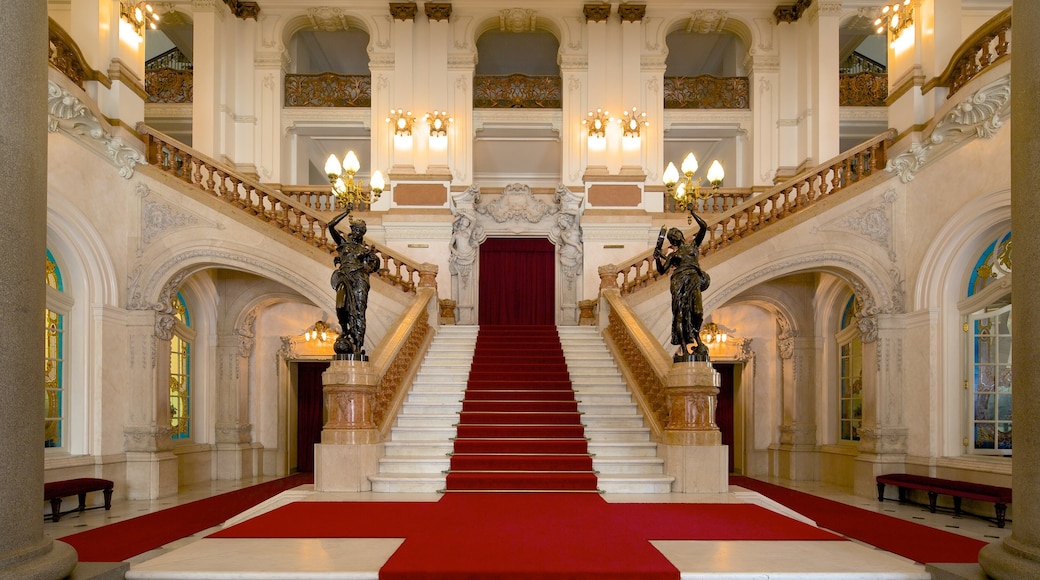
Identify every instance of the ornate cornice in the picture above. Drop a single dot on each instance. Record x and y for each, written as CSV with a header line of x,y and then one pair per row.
x,y
242,9
980,115
791,13
437,11
68,114
596,12
403,10
516,20
632,12
327,18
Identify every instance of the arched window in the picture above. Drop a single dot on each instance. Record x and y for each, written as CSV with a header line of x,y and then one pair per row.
x,y
850,374
55,430
988,328
181,371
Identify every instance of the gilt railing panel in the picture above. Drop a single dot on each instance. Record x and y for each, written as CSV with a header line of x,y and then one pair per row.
x,y
328,90
167,85
517,91
706,92
865,89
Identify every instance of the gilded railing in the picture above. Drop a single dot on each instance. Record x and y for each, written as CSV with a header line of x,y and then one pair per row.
x,y
266,204
773,205
642,360
865,89
517,91
706,92
397,357
989,44
328,90
64,55
722,200
167,85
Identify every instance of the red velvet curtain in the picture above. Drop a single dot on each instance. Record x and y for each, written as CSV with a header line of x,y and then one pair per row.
x,y
724,406
309,412
517,281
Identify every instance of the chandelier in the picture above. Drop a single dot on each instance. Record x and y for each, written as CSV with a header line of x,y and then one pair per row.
x,y
320,331
895,17
138,15
685,190
713,334
350,193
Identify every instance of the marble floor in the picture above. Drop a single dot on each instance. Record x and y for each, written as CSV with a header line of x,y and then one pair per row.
x,y
197,558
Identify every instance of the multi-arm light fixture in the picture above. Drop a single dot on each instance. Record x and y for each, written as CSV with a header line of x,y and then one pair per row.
x,y
685,190
319,332
138,15
350,193
895,17
596,123
633,123
402,122
711,333
438,121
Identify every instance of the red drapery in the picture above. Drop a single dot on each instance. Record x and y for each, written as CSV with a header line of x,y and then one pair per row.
x,y
309,412
517,281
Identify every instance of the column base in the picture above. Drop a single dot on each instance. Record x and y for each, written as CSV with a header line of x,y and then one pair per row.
x,y
1010,559
151,475
697,469
346,467
48,559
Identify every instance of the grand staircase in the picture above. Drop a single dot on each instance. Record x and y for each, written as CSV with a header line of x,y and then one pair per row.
x,y
420,450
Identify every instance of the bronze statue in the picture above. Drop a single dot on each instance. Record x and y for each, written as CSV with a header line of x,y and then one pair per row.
x,y
355,261
687,283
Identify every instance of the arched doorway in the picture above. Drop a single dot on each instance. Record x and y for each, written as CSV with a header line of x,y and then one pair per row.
x,y
517,281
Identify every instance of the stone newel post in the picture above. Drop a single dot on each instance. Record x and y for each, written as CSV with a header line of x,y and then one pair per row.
x,y
692,442
693,391
349,389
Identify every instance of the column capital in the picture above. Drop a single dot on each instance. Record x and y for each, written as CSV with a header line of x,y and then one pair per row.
x,y
596,12
437,11
403,10
632,12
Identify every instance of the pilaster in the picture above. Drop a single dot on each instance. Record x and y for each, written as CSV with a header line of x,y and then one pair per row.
x,y
208,38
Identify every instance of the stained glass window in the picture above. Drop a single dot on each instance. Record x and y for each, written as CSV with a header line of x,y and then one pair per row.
x,y
850,370
54,364
180,373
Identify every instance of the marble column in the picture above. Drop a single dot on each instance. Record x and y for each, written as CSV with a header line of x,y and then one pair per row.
x,y
1018,555
24,552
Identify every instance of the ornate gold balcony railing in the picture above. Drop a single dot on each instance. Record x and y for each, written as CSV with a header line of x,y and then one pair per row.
x,y
167,85
269,205
706,92
988,46
865,89
517,91
328,90
781,202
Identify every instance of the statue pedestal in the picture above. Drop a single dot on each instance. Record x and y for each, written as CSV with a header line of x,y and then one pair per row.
x,y
693,449
351,444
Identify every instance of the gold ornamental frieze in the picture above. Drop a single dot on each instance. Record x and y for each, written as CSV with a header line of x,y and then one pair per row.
x,y
706,92
328,90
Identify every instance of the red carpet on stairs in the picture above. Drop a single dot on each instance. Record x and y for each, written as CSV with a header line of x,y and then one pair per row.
x,y
520,429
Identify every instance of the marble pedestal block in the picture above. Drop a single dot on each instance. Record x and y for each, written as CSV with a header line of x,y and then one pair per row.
x,y
693,451
351,444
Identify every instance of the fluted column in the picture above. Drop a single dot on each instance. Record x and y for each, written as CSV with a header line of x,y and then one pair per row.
x,y
1018,555
24,552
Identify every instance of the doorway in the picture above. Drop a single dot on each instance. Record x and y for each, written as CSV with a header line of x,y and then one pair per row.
x,y
310,412
724,410
517,281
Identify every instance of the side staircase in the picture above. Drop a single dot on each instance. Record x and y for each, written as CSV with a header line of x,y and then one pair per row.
x,y
418,452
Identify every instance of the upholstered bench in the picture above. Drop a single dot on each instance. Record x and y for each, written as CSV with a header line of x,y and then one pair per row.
x,y
1000,496
56,490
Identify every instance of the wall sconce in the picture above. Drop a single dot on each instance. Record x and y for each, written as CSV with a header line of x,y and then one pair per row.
x,y
632,123
685,190
895,18
713,334
438,121
402,122
597,123
350,193
320,332
138,15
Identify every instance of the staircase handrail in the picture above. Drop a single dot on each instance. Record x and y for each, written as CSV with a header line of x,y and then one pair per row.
x,y
398,356
977,53
642,360
268,204
66,57
772,205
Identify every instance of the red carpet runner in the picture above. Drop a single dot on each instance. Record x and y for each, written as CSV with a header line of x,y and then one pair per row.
x,y
920,543
125,539
520,429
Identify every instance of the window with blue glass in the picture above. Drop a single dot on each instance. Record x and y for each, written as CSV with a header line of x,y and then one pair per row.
x,y
54,360
180,372
989,351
